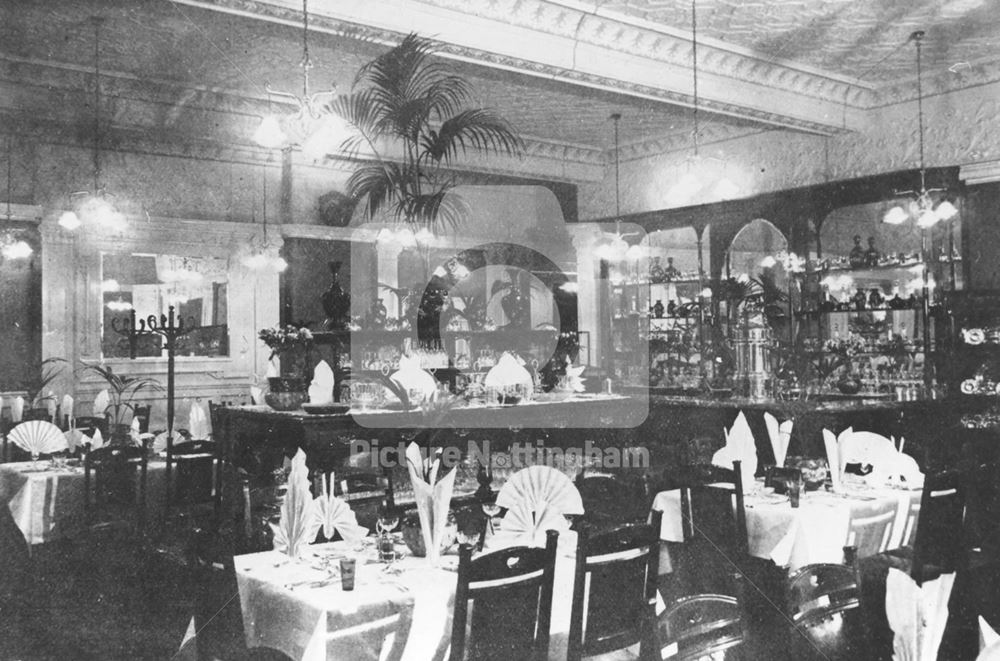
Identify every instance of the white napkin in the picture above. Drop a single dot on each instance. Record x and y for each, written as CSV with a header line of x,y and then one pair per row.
x,y
917,615
273,371
66,408
418,383
50,405
987,638
198,422
321,388
96,441
433,498
779,434
739,446
334,514
869,449
17,409
833,459
256,395
298,525
75,438
101,403
508,372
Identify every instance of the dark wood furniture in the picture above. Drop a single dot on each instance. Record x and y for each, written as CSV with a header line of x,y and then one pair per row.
x,y
114,479
511,595
702,626
620,567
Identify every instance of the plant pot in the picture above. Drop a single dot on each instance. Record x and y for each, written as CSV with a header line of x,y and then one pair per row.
x,y
849,385
286,393
120,434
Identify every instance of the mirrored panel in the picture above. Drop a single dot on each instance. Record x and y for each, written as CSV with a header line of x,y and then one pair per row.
x,y
757,250
196,287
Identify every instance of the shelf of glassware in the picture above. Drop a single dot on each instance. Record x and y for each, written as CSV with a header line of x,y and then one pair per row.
x,y
663,319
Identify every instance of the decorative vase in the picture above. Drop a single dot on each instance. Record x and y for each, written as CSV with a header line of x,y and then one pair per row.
x,y
656,273
336,302
286,393
849,384
515,305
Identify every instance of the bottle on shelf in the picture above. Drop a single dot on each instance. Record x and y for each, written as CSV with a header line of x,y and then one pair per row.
x,y
658,310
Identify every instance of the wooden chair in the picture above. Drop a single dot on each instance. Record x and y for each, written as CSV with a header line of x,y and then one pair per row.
x,y
702,626
368,641
194,474
111,495
870,528
614,590
88,424
823,603
141,413
713,519
938,544
511,595
609,501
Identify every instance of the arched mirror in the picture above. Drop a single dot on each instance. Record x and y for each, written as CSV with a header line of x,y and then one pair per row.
x,y
756,250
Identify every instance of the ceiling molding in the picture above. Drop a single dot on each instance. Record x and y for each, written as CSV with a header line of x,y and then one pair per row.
x,y
541,38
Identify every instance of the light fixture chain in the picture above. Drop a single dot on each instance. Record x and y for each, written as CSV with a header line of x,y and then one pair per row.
x,y
694,69
97,104
617,117
920,105
306,60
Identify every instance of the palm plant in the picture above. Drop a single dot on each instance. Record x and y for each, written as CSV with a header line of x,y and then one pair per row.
x,y
407,96
122,391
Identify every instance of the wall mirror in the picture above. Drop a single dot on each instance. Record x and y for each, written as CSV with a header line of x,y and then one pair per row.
x,y
197,288
855,237
757,248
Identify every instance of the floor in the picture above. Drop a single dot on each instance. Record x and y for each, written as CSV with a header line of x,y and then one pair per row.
x,y
116,600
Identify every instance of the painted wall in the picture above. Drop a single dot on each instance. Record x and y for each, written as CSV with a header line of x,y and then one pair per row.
x,y
960,128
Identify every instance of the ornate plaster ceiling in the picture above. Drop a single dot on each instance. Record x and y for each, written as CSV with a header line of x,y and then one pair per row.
x,y
556,69
856,39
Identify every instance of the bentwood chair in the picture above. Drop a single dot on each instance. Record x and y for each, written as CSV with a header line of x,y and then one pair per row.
x,y
870,527
381,636
114,479
703,626
823,603
194,474
614,590
89,424
509,594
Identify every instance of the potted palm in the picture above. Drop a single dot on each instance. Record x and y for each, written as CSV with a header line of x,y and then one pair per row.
x,y
122,392
408,97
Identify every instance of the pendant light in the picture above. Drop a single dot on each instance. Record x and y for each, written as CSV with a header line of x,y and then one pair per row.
x,y
262,256
922,207
617,247
96,206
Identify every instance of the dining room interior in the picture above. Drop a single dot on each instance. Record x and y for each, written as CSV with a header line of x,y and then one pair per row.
x,y
548,329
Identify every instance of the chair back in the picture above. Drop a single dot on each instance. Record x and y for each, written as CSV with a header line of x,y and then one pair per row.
x,y
870,527
614,589
511,603
193,470
940,539
115,484
609,501
141,413
89,424
824,602
380,637
37,413
702,626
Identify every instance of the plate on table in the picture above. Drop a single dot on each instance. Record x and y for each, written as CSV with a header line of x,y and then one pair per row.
x,y
325,409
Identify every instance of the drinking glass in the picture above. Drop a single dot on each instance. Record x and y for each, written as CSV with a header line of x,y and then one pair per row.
x,y
794,487
388,519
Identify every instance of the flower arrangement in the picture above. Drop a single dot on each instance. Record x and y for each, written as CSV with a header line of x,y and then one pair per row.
x,y
293,345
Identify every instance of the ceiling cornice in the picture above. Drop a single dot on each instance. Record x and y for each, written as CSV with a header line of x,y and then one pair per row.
x,y
548,40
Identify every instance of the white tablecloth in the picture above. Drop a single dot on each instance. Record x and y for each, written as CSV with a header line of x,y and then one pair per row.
x,y
794,537
48,504
296,620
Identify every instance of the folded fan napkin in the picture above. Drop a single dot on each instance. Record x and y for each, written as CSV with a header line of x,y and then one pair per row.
x,y
335,515
779,434
256,395
740,446
66,408
432,497
198,425
75,438
101,403
321,388
418,383
298,524
50,405
17,409
96,441
832,444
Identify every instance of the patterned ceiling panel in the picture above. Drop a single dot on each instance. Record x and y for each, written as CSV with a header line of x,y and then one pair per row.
x,y
858,38
165,42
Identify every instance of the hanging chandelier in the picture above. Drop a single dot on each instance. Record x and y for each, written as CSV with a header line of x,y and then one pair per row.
x,y
923,206
94,207
11,246
312,121
617,248
263,256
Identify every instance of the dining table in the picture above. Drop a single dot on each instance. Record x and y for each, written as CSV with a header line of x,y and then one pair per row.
x,y
298,605
46,498
816,531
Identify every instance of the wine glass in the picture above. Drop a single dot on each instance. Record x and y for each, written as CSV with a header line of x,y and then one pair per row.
x,y
34,460
388,518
